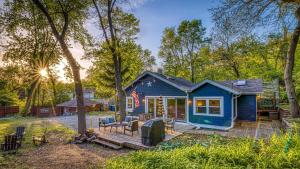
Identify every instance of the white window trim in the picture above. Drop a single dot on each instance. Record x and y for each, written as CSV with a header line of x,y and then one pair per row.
x,y
207,100
129,109
165,98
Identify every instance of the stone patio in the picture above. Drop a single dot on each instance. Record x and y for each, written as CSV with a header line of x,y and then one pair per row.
x,y
257,130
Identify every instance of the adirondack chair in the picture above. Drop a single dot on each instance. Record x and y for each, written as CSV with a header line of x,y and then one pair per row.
x,y
10,144
20,131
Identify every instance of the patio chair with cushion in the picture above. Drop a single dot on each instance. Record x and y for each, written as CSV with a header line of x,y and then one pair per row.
x,y
132,127
128,119
107,122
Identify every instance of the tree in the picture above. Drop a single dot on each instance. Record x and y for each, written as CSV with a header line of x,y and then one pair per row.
x,y
116,26
34,50
246,15
180,48
134,61
66,18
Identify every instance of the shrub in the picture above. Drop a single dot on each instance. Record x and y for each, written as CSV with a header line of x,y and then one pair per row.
x,y
236,153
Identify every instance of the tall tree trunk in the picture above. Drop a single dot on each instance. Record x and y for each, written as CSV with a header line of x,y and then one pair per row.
x,y
192,72
289,66
71,60
31,91
78,86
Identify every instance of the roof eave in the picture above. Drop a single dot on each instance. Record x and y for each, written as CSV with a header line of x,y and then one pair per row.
x,y
217,85
160,78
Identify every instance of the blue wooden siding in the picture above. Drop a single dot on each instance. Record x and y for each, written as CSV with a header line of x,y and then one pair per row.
x,y
246,107
157,88
210,90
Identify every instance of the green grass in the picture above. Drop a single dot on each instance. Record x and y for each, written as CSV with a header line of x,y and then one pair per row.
x,y
215,152
101,113
34,127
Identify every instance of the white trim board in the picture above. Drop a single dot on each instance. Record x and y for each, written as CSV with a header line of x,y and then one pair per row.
x,y
158,77
215,84
210,126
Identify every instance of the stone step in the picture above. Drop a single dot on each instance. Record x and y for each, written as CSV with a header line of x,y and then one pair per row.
x,y
107,144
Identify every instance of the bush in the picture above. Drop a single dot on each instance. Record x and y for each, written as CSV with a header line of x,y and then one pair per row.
x,y
237,153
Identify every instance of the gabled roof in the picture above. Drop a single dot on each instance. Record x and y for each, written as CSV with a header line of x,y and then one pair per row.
x,y
252,86
73,103
220,85
177,82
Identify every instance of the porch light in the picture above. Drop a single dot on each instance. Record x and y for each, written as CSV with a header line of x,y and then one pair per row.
x,y
258,97
189,101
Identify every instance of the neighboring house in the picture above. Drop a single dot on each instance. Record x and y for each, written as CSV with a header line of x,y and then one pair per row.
x,y
208,104
71,106
89,93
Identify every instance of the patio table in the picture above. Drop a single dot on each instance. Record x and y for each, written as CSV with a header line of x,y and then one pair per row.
x,y
116,126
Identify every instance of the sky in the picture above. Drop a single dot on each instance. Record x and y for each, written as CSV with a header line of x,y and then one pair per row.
x,y
154,16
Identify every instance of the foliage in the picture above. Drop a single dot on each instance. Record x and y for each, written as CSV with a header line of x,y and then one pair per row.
x,y
134,61
236,153
7,98
180,49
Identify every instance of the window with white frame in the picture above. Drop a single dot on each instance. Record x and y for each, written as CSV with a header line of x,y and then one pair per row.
x,y
129,104
212,106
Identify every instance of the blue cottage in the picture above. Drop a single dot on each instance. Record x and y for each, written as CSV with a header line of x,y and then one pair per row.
x,y
208,104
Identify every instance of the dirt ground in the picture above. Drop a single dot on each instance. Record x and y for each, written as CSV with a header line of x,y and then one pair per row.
x,y
60,155
68,156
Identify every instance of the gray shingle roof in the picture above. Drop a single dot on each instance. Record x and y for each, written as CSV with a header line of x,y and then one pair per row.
x,y
251,86
73,103
176,80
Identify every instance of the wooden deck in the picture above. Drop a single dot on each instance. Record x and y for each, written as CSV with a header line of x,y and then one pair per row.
x,y
129,141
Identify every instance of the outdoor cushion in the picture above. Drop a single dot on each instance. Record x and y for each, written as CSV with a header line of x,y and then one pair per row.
x,y
102,120
128,118
111,120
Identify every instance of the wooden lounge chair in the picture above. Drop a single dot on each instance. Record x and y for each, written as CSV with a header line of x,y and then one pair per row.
x,y
20,131
10,144
132,127
39,140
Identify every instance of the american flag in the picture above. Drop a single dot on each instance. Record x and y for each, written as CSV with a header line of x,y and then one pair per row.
x,y
136,98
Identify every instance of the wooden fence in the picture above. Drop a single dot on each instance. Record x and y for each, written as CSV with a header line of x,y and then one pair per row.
x,y
9,110
45,111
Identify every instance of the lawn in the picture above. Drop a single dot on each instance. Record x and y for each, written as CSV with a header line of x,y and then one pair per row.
x,y
102,113
58,152
199,151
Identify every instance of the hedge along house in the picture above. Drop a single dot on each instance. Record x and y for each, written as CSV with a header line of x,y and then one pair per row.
x,y
208,104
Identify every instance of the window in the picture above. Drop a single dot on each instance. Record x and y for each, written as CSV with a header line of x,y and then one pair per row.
x,y
129,104
211,106
201,106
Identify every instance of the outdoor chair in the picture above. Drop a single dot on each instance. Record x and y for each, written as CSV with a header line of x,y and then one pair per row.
x,y
107,122
20,131
128,119
170,124
10,144
132,127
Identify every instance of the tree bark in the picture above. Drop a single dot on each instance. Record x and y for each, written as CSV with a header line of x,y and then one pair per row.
x,y
30,96
112,43
71,60
289,66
